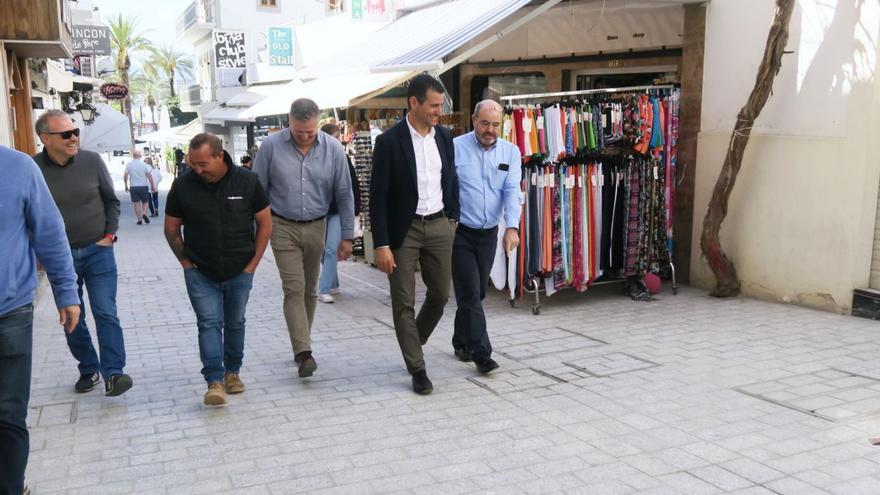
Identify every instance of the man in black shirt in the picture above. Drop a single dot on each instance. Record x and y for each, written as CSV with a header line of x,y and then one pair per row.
x,y
217,205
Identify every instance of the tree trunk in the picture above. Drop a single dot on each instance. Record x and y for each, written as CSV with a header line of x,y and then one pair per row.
x,y
126,102
727,281
171,82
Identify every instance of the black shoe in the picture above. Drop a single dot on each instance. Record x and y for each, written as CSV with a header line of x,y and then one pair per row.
x,y
146,219
154,215
421,384
485,365
117,384
464,355
140,223
86,383
306,364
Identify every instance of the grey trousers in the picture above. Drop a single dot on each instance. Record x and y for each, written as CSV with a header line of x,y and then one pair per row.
x,y
298,249
428,244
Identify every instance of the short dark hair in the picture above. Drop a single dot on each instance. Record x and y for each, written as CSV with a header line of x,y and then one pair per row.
x,y
207,138
419,85
246,159
330,128
304,109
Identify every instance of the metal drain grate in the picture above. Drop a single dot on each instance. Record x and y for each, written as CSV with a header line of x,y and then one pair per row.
x,y
63,413
615,363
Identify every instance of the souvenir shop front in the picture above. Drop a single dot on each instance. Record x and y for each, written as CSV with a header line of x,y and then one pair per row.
x,y
603,103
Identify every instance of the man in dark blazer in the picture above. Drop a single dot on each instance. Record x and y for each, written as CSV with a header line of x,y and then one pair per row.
x,y
414,213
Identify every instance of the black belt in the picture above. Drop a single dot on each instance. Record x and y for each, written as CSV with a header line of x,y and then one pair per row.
x,y
492,230
298,221
432,216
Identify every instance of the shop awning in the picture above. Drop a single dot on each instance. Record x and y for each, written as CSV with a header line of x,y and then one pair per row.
x,y
223,114
406,45
328,92
174,135
108,132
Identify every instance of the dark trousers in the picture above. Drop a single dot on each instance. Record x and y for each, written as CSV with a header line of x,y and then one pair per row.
x,y
154,203
473,253
16,342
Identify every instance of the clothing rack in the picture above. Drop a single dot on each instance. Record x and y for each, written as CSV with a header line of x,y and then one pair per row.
x,y
628,89
532,284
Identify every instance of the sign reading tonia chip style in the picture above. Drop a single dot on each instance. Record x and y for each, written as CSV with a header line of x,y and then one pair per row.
x,y
91,40
370,10
229,50
280,45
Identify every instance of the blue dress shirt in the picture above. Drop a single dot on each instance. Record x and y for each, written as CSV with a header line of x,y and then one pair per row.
x,y
485,188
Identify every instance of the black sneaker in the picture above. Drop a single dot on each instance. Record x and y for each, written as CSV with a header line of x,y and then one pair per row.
x,y
421,384
485,365
464,355
117,384
140,223
146,219
86,383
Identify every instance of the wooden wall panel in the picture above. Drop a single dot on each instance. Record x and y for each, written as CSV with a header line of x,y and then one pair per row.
x,y
31,20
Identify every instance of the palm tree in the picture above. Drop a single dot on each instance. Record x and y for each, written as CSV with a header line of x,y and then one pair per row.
x,y
171,63
125,41
149,85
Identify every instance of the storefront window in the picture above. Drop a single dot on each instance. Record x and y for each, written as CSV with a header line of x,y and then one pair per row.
x,y
516,84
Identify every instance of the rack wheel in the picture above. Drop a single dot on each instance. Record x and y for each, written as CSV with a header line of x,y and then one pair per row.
x,y
674,291
536,310
512,302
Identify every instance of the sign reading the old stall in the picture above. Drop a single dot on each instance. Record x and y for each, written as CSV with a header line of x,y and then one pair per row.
x,y
280,45
229,50
91,40
370,10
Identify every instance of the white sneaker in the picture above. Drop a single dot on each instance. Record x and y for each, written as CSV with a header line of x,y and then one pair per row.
x,y
325,298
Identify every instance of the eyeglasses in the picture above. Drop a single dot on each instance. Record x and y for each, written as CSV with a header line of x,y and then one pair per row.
x,y
66,134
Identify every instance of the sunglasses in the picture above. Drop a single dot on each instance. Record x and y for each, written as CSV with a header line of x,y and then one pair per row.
x,y
66,134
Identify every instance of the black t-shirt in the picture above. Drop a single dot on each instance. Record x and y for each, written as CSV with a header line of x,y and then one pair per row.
x,y
218,219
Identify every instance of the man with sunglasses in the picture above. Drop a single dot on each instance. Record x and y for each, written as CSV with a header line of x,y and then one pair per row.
x,y
83,191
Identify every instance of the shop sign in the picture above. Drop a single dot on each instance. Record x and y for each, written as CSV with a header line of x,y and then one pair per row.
x,y
114,91
229,50
370,10
91,40
280,46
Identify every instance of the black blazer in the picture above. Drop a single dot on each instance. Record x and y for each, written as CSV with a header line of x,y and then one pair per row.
x,y
394,193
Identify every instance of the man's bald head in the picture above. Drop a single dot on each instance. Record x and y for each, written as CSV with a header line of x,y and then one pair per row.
x,y
487,122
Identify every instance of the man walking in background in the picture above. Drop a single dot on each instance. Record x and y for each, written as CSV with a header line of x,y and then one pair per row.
x,y
83,191
217,205
414,213
138,173
489,176
154,193
29,224
302,170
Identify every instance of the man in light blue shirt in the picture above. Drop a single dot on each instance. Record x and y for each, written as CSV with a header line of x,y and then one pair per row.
x,y
30,227
489,177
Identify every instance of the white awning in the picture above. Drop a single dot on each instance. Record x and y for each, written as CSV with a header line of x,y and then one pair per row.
x,y
57,78
253,95
223,114
174,135
328,92
423,38
108,132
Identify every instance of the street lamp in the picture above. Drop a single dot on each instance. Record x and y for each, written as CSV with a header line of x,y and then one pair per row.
x,y
88,113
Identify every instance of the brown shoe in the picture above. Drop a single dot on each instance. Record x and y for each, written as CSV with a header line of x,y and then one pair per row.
x,y
307,364
216,395
234,385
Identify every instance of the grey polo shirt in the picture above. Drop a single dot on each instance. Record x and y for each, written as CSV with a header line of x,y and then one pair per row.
x,y
83,191
302,187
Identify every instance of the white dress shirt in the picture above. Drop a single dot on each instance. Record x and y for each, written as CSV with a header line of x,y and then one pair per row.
x,y
429,170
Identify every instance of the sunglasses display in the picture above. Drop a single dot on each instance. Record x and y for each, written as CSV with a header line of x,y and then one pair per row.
x,y
66,134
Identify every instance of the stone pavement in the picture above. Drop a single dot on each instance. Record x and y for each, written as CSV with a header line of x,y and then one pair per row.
x,y
597,395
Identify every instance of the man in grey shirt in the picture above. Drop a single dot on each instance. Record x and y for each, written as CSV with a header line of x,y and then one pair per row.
x,y
302,170
138,180
83,191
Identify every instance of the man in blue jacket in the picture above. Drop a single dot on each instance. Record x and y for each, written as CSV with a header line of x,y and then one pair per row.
x,y
30,224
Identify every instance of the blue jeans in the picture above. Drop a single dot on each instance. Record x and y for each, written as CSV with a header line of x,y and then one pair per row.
x,y
329,278
219,308
96,268
16,342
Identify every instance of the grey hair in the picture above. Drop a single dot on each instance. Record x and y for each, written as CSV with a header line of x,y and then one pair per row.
x,y
304,109
42,124
492,103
